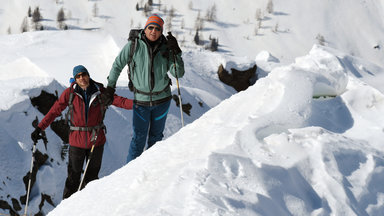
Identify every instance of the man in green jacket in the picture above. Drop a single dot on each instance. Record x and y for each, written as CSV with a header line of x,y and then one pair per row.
x,y
154,55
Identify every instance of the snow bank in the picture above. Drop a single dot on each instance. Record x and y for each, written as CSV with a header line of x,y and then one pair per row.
x,y
260,152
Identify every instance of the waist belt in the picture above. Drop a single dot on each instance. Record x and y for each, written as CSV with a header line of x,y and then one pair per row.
x,y
97,127
93,129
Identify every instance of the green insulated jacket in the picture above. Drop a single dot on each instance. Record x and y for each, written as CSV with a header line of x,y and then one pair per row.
x,y
148,68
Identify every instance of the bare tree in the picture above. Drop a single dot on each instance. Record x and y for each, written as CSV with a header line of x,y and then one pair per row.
x,y
168,22
256,30
24,25
147,8
172,12
95,10
190,5
258,15
270,6
142,3
199,23
276,28
182,24
212,16
320,39
259,24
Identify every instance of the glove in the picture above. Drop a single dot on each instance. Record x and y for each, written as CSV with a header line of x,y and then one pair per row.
x,y
35,135
107,96
172,44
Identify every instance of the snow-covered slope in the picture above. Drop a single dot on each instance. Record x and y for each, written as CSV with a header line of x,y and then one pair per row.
x,y
279,148
270,150
354,27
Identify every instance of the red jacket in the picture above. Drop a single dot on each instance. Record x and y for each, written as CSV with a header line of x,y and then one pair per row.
x,y
82,139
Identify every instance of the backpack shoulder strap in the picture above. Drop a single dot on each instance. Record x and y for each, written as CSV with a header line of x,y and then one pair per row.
x,y
68,115
134,35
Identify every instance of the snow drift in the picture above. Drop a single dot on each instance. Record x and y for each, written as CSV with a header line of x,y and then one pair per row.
x,y
270,150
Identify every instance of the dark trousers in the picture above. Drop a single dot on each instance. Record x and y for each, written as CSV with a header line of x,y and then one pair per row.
x,y
76,161
147,121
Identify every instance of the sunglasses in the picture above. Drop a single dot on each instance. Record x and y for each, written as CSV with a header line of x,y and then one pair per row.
x,y
84,74
150,28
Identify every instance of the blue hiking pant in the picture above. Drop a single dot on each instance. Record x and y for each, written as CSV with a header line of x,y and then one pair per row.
x,y
147,121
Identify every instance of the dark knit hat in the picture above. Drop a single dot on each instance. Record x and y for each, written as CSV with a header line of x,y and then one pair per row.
x,y
156,20
79,69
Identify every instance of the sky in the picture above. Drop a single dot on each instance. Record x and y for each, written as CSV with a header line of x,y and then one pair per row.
x,y
306,139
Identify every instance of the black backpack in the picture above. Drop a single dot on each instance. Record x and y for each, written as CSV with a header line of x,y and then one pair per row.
x,y
134,35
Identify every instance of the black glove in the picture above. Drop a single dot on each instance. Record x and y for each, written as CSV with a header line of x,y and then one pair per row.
x,y
172,44
107,96
35,135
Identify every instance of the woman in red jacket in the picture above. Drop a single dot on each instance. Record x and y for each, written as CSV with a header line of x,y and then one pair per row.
x,y
86,115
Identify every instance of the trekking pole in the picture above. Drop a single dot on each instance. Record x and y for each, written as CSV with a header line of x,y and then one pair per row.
x,y
181,109
86,167
178,87
30,177
94,138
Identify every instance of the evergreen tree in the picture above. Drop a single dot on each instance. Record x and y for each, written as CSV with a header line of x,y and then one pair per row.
x,y
29,11
137,6
24,25
214,44
61,15
61,19
36,16
197,38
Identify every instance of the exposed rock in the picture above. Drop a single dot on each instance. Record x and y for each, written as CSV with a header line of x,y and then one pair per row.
x,y
61,129
44,101
39,161
16,204
185,107
239,80
4,205
45,197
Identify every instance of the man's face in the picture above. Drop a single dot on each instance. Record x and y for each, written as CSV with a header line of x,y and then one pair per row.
x,y
82,79
152,32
